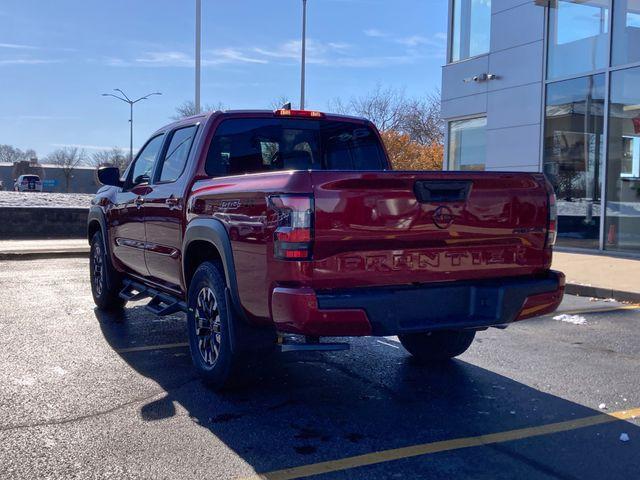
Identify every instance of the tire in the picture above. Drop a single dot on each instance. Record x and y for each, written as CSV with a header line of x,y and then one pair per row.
x,y
431,347
105,281
208,327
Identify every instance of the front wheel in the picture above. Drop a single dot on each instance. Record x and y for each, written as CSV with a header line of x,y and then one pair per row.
x,y
437,346
208,327
105,281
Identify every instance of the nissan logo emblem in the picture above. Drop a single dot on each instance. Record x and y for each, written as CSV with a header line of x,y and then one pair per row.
x,y
443,217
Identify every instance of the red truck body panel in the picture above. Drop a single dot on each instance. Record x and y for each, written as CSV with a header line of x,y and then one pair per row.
x,y
371,230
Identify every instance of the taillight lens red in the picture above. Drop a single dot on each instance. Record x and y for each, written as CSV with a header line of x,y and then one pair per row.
x,y
552,231
293,238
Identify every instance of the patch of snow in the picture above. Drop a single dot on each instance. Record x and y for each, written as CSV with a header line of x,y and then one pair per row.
x,y
45,199
59,370
25,381
602,406
574,319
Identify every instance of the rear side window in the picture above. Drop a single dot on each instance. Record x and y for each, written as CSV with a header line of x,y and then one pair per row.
x,y
175,158
267,144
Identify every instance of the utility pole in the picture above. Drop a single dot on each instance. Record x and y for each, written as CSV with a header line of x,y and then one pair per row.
x,y
198,45
131,103
304,53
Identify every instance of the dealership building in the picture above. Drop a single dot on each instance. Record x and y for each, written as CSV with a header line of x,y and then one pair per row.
x,y
552,86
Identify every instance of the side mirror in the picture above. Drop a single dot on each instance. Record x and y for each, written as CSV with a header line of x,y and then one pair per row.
x,y
109,176
140,179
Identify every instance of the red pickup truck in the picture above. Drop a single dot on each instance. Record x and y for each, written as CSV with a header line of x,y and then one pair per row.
x,y
280,228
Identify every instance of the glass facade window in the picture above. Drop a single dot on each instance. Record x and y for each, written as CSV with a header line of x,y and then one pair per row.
x,y
622,227
573,153
471,28
626,32
578,37
467,144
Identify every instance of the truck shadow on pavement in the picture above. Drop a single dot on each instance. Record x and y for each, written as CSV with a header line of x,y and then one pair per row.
x,y
298,409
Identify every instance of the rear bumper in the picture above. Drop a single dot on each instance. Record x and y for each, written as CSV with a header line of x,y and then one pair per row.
x,y
409,309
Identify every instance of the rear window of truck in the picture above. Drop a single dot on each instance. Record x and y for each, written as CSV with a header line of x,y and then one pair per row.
x,y
250,145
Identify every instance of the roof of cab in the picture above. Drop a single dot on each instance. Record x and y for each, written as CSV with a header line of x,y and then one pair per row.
x,y
204,117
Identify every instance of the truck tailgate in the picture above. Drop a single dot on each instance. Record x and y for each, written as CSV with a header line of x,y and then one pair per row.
x,y
390,228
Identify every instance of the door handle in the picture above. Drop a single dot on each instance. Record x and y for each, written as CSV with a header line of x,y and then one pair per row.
x,y
172,201
139,201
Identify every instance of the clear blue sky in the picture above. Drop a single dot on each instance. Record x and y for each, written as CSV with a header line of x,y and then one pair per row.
x,y
56,57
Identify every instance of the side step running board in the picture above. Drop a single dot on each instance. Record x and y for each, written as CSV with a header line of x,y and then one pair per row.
x,y
134,291
310,344
160,304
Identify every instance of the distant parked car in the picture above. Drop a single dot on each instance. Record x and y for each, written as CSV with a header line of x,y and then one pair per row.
x,y
28,183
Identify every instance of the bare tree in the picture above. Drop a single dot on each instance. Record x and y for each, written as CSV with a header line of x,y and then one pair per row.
x,y
188,108
68,159
11,154
110,158
278,102
385,107
422,120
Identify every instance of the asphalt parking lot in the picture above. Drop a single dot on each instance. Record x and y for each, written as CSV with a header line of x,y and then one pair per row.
x,y
88,395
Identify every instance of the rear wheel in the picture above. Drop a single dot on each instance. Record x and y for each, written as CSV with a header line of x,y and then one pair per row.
x,y
105,281
208,327
437,346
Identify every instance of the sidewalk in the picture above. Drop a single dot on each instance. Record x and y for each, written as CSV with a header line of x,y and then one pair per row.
x,y
588,275
602,276
52,248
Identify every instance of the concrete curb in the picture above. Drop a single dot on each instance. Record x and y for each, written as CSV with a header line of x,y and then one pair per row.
x,y
44,255
599,292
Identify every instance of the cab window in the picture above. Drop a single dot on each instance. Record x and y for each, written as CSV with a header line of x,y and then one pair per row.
x,y
143,165
177,153
251,145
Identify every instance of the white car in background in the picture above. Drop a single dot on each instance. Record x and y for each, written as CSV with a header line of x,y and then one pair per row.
x,y
28,183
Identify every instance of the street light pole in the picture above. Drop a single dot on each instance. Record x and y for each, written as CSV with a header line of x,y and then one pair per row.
x,y
198,45
304,54
130,132
131,103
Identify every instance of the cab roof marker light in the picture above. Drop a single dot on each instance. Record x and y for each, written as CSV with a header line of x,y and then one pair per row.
x,y
298,113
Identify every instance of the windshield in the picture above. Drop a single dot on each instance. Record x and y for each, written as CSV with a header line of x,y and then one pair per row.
x,y
267,144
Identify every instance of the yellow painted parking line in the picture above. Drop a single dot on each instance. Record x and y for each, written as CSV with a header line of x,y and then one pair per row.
x,y
443,446
152,347
595,310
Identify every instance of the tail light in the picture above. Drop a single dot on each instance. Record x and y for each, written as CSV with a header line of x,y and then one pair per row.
x,y
293,237
552,230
